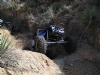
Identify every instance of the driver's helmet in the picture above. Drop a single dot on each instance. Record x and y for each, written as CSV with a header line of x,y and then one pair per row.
x,y
1,21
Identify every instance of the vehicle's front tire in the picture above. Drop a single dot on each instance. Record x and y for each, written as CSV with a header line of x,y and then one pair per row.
x,y
40,44
70,47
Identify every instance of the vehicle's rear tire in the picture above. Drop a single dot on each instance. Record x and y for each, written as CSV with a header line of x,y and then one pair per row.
x,y
49,54
71,46
40,44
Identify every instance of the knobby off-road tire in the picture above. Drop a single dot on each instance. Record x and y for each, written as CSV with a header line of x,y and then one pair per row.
x,y
70,47
40,44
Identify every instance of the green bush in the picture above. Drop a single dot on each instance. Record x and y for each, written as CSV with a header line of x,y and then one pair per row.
x,y
5,43
91,17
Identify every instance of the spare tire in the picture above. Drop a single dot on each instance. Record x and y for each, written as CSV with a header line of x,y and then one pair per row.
x,y
70,47
40,44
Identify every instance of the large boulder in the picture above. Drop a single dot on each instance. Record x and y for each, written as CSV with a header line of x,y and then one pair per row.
x,y
22,62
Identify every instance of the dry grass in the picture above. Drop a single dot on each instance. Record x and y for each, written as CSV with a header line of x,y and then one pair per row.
x,y
7,32
6,40
41,18
15,43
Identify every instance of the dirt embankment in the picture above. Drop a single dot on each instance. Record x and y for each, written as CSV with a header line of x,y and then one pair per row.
x,y
21,62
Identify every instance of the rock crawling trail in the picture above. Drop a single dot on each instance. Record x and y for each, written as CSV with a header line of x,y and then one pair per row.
x,y
85,61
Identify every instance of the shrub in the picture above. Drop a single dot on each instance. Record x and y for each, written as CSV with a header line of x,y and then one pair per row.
x,y
91,17
5,43
41,18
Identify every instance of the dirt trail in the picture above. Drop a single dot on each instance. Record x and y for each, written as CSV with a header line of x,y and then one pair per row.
x,y
85,61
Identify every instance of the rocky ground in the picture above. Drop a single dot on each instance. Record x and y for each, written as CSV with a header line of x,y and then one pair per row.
x,y
85,61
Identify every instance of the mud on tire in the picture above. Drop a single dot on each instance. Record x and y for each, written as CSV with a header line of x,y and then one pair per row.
x,y
40,44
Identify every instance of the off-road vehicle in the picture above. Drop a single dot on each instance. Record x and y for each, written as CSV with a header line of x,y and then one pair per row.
x,y
53,34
